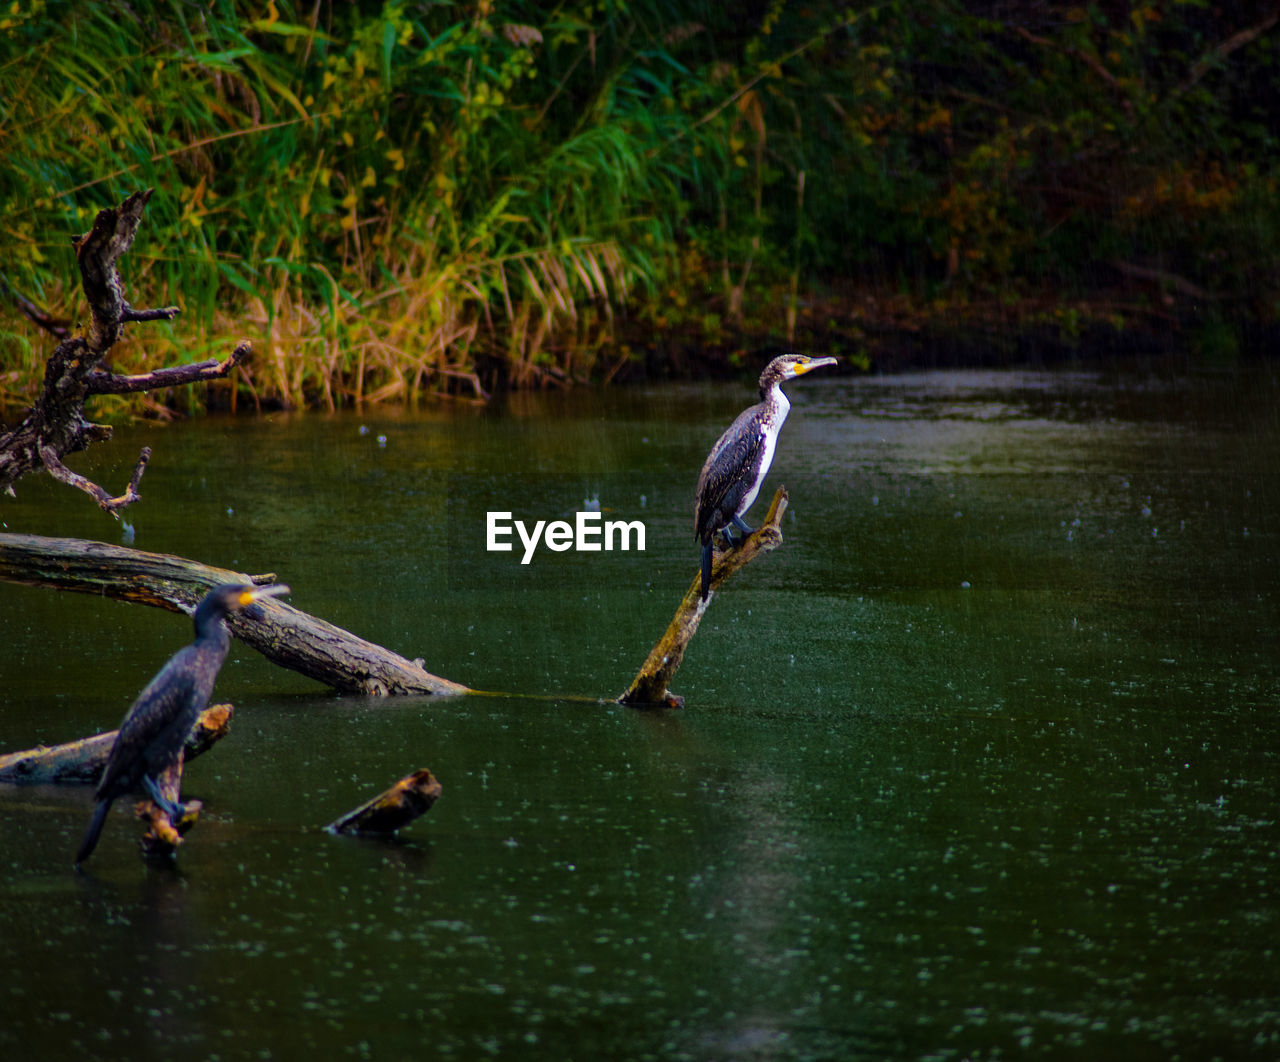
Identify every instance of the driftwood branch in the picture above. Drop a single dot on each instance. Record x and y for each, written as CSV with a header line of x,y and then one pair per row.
x,y
283,634
386,813
108,383
38,317
649,689
56,425
81,762
106,503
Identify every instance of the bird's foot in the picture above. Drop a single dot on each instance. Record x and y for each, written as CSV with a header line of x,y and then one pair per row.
x,y
176,811
741,525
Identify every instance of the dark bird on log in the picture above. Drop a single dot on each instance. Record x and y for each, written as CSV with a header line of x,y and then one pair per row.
x,y
154,730
738,463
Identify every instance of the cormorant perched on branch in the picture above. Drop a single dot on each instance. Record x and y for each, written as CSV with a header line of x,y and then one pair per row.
x,y
738,463
156,727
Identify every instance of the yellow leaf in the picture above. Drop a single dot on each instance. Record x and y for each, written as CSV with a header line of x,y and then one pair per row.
x,y
370,178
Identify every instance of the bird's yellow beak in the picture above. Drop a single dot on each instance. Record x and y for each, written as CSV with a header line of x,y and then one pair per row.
x,y
812,363
248,597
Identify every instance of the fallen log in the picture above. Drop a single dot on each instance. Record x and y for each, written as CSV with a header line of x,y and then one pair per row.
x,y
283,634
650,688
81,762
386,813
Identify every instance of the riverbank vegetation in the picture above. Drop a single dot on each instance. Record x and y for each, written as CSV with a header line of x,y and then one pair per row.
x,y
398,198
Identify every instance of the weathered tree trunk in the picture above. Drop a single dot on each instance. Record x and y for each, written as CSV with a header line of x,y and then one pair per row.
x,y
649,689
56,425
410,797
81,762
283,634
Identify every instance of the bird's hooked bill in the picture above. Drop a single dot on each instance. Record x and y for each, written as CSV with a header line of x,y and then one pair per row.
x,y
256,593
811,364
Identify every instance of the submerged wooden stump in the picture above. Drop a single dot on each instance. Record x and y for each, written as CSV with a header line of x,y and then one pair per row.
x,y
160,842
649,689
386,813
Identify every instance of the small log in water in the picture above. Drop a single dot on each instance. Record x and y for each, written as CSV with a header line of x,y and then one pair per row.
x,y
386,813
283,634
649,689
81,762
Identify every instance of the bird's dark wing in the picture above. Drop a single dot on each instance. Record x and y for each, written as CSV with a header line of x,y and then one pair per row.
x,y
729,471
158,707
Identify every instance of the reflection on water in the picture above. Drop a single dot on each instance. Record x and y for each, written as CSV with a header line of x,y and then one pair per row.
x,y
980,764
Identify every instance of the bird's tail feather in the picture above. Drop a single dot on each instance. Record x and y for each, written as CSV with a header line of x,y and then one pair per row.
x,y
706,568
91,835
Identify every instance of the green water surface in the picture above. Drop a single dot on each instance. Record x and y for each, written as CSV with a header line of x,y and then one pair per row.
x,y
981,764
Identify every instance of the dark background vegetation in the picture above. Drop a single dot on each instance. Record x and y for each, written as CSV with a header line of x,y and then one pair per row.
x,y
396,198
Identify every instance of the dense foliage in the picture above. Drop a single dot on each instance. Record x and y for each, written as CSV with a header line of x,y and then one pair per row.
x,y
397,196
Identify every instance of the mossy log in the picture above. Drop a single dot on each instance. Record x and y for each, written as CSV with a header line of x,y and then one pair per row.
x,y
650,688
388,812
283,634
81,762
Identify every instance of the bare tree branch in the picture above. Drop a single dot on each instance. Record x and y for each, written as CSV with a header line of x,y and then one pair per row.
x,y
1238,40
1091,61
107,383
56,425
58,329
164,313
105,501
